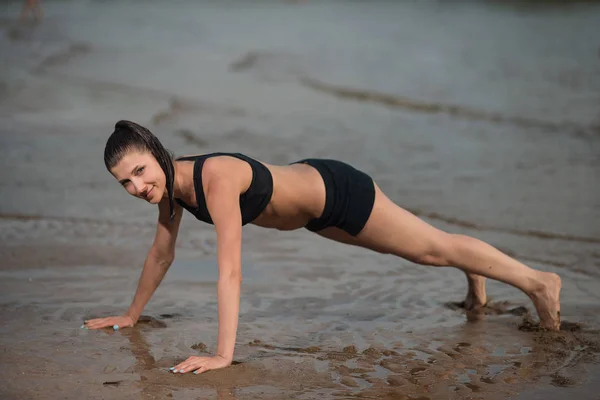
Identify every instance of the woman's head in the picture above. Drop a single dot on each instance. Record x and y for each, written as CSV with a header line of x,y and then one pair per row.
x,y
137,159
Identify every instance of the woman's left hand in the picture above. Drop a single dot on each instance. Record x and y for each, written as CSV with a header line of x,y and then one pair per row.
x,y
200,364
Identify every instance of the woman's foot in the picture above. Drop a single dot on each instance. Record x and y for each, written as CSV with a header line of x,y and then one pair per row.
x,y
546,299
476,295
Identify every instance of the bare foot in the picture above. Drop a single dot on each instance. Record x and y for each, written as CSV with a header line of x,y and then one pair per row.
x,y
546,300
476,296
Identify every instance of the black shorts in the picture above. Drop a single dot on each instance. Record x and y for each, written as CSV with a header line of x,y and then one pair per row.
x,y
350,195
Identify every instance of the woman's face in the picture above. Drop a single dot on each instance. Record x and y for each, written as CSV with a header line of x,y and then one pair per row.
x,y
140,174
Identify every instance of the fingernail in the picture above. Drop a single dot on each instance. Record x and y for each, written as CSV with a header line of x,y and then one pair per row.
x,y
116,327
196,372
85,328
181,371
172,368
82,326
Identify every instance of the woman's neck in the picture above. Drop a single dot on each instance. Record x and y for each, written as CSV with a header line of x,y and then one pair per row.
x,y
178,181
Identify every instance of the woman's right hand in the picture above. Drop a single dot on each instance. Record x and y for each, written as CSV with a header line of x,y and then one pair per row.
x,y
122,321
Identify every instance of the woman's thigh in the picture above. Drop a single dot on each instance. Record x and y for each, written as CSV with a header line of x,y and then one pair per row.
x,y
394,230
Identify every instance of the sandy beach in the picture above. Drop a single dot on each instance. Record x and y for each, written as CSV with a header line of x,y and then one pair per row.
x,y
481,118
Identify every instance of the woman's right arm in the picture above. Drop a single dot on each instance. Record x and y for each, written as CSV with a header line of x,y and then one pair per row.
x,y
157,263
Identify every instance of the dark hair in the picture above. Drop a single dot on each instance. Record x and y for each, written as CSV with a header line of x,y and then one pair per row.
x,y
131,136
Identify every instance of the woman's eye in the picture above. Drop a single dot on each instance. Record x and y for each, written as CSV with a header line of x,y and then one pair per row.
x,y
140,170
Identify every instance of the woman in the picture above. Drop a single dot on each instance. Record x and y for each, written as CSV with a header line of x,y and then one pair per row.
x,y
325,196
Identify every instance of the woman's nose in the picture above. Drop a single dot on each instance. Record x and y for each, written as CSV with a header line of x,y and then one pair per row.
x,y
138,185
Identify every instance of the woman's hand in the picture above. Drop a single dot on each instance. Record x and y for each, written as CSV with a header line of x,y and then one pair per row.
x,y
200,364
112,322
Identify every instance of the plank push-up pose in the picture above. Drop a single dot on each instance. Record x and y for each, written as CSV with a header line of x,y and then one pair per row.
x,y
328,197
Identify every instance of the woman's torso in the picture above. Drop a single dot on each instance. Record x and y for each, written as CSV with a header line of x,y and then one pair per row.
x,y
297,191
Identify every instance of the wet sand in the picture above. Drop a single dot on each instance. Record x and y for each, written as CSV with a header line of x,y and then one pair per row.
x,y
318,319
309,328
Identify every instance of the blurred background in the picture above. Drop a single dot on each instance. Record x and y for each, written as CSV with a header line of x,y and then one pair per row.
x,y
482,117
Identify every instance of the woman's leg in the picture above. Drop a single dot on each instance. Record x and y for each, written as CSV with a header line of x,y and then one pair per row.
x,y
476,294
391,229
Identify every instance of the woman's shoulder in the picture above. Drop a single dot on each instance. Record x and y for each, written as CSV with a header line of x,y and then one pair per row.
x,y
189,157
207,155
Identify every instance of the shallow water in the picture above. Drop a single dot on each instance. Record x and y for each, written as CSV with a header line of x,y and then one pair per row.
x,y
480,117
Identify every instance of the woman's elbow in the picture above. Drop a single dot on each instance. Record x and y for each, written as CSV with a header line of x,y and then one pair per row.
x,y
233,276
167,260
164,258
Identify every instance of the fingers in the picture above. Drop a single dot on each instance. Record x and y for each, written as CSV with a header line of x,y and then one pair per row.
x,y
200,364
97,323
109,322
191,364
188,365
201,370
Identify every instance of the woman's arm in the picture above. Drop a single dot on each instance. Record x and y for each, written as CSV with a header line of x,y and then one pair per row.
x,y
159,259
223,203
222,188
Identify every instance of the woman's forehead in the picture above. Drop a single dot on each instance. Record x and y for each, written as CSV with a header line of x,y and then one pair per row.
x,y
135,156
130,160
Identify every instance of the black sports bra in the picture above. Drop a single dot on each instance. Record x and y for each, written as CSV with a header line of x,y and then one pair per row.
x,y
252,202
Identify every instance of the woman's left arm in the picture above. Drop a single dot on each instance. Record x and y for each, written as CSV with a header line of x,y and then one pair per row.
x,y
222,200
